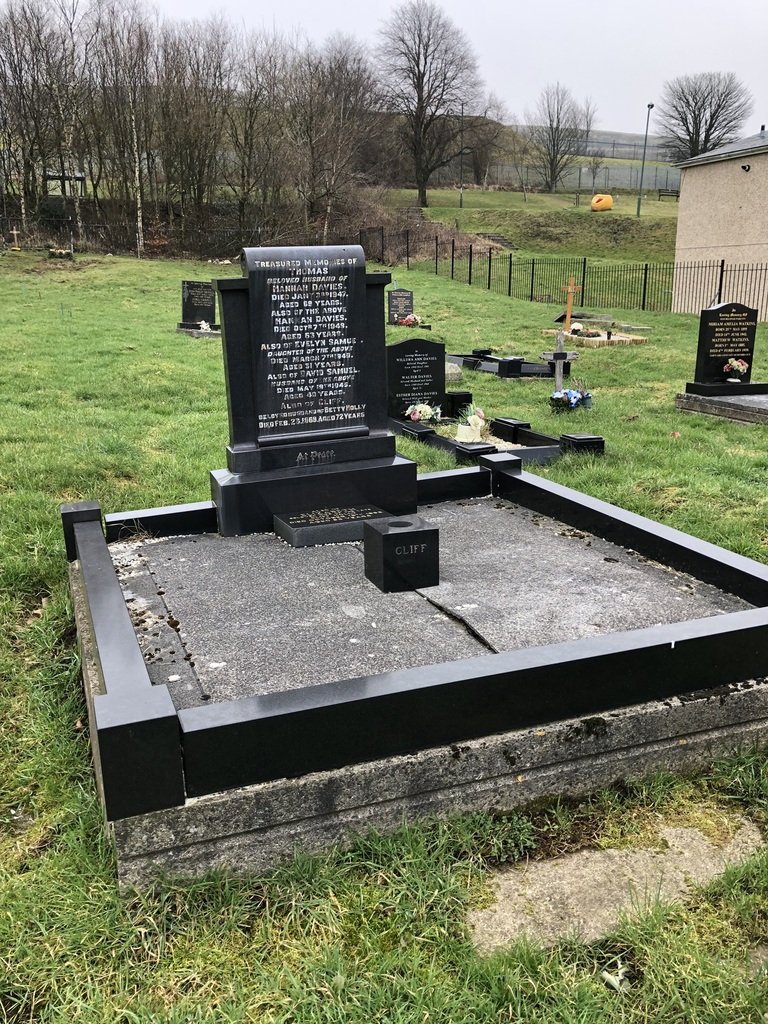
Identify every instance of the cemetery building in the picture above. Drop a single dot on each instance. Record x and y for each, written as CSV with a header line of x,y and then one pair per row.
x,y
723,219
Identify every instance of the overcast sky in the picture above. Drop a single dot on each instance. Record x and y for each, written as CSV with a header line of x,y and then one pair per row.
x,y
618,53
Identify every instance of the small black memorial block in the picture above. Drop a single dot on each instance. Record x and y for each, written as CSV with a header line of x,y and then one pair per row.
x,y
399,304
726,332
401,553
325,525
415,374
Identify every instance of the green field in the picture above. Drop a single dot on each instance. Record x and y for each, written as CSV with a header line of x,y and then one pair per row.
x,y
545,224
102,399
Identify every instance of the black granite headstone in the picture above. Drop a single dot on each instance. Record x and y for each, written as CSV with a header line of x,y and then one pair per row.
x,y
415,373
198,303
399,304
304,361
726,332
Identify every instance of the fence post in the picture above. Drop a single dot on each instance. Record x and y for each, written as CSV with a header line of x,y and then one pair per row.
x,y
437,257
720,282
509,279
469,269
583,280
453,255
490,253
407,250
645,286
533,273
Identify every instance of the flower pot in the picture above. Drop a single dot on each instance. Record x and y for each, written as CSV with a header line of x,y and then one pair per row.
x,y
587,402
467,434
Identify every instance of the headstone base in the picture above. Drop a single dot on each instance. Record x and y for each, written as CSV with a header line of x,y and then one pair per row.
x,y
247,502
583,443
255,458
194,325
725,388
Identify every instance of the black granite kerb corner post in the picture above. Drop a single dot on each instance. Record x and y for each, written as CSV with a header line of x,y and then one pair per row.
x,y
304,361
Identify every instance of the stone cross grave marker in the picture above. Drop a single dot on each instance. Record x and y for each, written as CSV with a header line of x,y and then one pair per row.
x,y
571,288
559,356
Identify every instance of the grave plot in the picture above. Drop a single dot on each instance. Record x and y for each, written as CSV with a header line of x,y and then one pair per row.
x,y
485,690
416,377
723,384
608,338
247,696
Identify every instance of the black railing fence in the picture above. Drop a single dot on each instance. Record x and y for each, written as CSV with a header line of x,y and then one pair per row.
x,y
656,287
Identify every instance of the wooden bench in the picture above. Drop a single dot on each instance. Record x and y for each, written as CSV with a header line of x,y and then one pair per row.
x,y
669,192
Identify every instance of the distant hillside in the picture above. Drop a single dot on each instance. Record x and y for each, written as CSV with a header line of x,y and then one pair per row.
x,y
624,145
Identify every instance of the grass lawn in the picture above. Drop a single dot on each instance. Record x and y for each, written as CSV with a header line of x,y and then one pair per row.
x,y
552,224
102,399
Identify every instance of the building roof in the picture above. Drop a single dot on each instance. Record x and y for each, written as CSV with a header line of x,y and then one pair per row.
x,y
731,151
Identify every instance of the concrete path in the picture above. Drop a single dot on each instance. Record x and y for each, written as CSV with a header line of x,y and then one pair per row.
x,y
583,894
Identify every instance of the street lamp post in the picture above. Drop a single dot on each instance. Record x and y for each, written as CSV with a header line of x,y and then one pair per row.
x,y
642,165
461,160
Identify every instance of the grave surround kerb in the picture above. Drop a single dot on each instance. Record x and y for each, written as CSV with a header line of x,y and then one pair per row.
x,y
304,360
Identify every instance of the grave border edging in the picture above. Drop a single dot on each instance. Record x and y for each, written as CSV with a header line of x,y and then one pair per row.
x,y
123,725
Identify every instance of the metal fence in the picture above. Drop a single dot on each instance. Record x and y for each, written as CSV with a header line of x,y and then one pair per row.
x,y
577,177
656,287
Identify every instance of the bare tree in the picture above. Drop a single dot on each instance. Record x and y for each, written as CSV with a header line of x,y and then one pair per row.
x,y
331,98
430,71
254,162
65,51
28,138
123,67
559,128
700,112
193,86
518,149
484,136
595,164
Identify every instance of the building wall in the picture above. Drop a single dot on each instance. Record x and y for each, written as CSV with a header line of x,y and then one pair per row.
x,y
723,216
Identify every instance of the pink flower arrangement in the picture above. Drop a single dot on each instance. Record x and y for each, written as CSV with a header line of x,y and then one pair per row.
x,y
738,366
